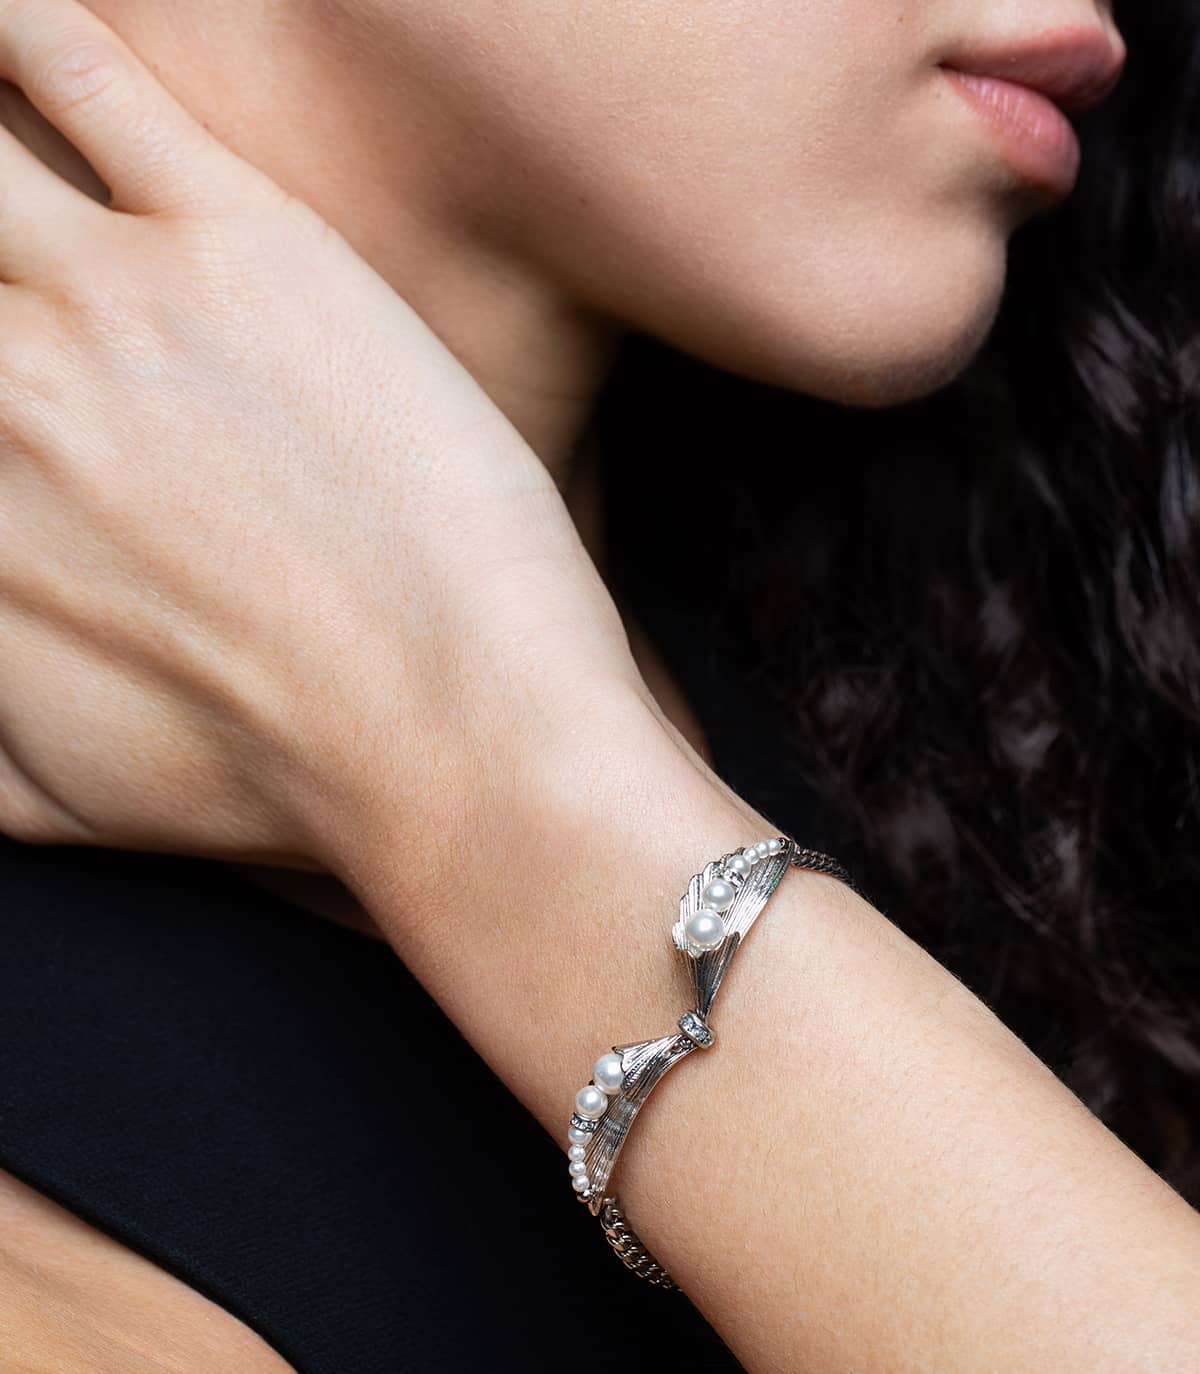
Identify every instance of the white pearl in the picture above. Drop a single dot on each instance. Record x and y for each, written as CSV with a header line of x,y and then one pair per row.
x,y
590,1102
607,1073
762,849
774,845
576,1152
738,866
577,1136
577,1168
750,854
705,929
718,894
580,1183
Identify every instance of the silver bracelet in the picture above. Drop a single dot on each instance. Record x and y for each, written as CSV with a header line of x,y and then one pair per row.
x,y
716,912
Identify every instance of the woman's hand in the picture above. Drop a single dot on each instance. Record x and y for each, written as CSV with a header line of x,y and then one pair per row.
x,y
256,523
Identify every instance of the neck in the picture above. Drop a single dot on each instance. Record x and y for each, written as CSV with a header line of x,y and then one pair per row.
x,y
321,97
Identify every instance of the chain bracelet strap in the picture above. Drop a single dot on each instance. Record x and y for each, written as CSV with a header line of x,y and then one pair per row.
x,y
814,861
716,912
629,1249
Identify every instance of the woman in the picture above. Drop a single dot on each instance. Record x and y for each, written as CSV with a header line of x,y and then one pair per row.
x,y
282,585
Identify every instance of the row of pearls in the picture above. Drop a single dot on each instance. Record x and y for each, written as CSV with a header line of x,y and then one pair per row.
x,y
591,1102
705,929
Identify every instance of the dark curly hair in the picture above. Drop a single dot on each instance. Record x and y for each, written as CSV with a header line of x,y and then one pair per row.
x,y
981,612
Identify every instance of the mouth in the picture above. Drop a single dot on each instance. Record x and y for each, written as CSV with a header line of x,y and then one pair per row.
x,y
1025,91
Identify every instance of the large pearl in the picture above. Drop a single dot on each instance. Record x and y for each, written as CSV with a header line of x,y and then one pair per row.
x,y
608,1074
577,1168
580,1183
705,929
774,844
738,866
576,1152
718,894
762,849
590,1102
750,854
578,1136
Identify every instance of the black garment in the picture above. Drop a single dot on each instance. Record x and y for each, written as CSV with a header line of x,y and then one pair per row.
x,y
229,1086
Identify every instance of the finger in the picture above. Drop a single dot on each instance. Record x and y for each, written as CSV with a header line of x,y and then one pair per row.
x,y
37,211
149,151
45,142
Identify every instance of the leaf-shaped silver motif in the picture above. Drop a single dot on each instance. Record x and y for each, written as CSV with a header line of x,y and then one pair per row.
x,y
646,1061
643,1063
706,971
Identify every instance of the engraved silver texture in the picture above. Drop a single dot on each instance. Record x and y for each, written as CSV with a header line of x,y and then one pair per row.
x,y
706,971
645,1062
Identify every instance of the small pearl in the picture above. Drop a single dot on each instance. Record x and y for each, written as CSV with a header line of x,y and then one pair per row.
x,y
774,845
577,1136
750,854
576,1152
705,929
580,1183
738,866
718,894
607,1073
590,1102
762,849
577,1168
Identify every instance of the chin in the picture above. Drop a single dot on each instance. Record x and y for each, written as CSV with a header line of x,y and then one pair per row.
x,y
926,363
890,333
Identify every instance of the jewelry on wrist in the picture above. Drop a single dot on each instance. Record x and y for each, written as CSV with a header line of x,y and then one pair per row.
x,y
716,912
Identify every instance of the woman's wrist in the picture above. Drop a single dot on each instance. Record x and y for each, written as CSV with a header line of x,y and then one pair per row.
x,y
575,763
558,863
860,1102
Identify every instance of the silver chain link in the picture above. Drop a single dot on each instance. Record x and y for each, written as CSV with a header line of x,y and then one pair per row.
x,y
618,1231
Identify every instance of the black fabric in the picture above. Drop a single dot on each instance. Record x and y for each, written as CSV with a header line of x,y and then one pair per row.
x,y
230,1086
270,1107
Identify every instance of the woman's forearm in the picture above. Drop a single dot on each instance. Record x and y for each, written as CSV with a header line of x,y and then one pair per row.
x,y
870,1172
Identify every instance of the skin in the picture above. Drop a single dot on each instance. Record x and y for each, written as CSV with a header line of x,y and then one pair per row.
x,y
791,191
73,1301
290,663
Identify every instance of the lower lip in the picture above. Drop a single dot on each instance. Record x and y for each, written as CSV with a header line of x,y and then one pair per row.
x,y
1034,136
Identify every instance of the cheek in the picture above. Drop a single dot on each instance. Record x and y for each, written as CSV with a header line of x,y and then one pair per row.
x,y
780,188
862,269
810,209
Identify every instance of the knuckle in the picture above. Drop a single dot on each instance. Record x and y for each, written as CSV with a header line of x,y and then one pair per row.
x,y
86,307
24,374
14,209
79,288
77,72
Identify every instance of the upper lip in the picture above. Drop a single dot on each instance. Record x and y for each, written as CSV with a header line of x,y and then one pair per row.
x,y
1075,67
